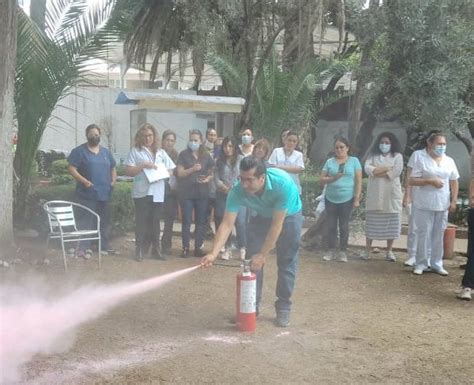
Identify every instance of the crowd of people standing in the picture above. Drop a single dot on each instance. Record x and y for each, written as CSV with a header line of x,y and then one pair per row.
x,y
199,179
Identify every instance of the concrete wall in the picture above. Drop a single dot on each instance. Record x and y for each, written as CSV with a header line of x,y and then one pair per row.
x,y
119,123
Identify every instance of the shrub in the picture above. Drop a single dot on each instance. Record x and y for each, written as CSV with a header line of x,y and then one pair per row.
x,y
122,211
46,159
59,172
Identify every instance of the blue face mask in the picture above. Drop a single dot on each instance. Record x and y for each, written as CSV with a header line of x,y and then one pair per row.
x,y
246,139
385,148
440,150
193,145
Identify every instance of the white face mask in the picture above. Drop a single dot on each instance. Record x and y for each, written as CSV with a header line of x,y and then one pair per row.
x,y
246,139
193,145
385,148
440,149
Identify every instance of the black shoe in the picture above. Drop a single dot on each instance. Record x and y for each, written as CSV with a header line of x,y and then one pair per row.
x,y
185,253
282,318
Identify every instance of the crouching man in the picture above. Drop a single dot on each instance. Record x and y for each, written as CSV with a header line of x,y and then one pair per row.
x,y
276,220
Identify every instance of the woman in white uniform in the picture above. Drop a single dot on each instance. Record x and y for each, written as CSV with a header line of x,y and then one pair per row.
x,y
288,158
410,191
437,176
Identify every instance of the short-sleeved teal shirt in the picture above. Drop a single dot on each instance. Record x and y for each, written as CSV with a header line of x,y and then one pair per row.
x,y
342,190
280,193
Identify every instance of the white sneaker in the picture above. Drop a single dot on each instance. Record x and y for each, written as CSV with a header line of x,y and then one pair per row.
x,y
390,256
242,253
365,255
465,294
417,271
342,256
410,262
329,256
441,271
226,255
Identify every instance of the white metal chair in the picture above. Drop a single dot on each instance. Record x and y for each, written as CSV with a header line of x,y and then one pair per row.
x,y
62,225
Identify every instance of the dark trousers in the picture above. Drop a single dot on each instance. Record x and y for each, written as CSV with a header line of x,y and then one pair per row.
x,y
468,279
199,205
287,248
147,223
170,208
211,204
338,214
86,221
240,221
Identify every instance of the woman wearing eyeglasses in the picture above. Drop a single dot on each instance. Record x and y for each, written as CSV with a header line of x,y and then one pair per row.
x,y
342,176
147,196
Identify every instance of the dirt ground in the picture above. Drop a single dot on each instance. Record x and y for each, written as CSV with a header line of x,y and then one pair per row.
x,y
360,322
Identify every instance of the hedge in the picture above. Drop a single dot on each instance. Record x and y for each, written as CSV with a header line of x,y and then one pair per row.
x,y
122,210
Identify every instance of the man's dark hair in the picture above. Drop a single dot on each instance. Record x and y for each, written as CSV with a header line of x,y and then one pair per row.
x,y
92,127
251,162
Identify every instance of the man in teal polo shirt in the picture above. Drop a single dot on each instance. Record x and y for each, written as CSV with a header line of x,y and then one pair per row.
x,y
274,197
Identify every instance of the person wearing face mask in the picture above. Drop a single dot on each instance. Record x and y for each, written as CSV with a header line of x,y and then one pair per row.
x,y
384,193
410,192
435,175
246,146
93,168
195,172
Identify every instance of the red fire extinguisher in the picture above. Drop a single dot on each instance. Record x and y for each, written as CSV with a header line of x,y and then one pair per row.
x,y
246,314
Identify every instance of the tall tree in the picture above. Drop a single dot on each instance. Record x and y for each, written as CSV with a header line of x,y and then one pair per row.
x,y
420,65
7,71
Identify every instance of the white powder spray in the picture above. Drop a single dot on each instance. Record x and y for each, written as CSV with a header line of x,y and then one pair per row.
x,y
31,325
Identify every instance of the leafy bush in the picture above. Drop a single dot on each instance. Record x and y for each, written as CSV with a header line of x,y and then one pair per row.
x,y
122,211
120,169
46,159
59,173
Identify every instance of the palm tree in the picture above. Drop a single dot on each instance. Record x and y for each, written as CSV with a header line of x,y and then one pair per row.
x,y
49,62
283,99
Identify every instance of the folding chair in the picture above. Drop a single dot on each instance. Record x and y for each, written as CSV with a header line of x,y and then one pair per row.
x,y
62,225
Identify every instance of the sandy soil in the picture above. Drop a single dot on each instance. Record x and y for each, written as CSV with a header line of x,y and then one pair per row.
x,y
360,322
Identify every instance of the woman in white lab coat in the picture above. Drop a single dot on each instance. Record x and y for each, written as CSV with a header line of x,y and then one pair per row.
x,y
437,176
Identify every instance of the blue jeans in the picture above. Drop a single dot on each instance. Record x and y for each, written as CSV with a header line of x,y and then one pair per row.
x,y
287,248
240,221
199,205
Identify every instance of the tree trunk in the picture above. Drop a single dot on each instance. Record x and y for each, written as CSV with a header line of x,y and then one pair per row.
x,y
198,66
7,73
38,13
359,96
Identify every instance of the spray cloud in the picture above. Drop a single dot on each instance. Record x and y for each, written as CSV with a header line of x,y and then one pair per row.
x,y
31,325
